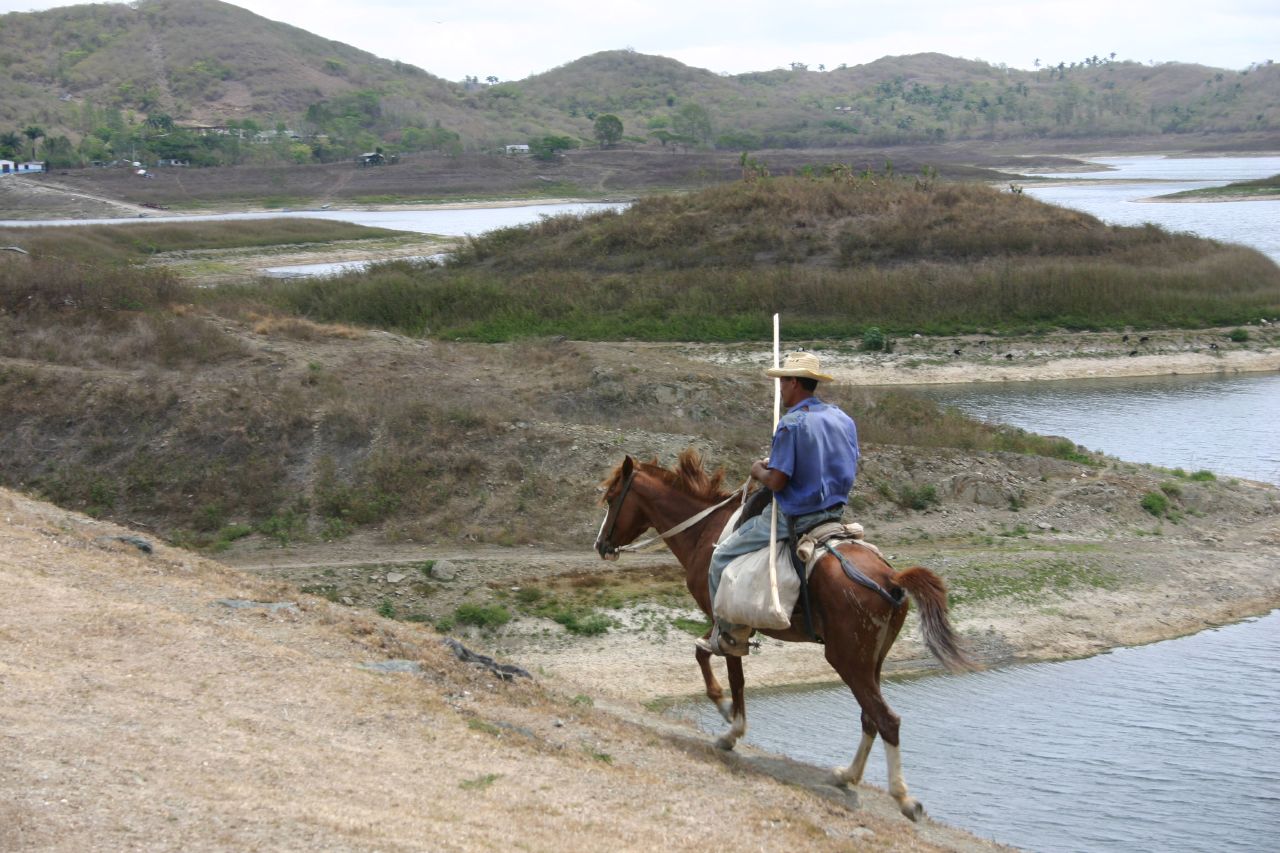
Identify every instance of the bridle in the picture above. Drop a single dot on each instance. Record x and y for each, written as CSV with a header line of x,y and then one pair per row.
x,y
609,551
613,510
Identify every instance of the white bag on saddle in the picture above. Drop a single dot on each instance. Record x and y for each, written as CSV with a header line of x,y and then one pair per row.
x,y
745,597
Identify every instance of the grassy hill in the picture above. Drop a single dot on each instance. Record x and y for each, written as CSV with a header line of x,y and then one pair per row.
x,y
103,81
839,253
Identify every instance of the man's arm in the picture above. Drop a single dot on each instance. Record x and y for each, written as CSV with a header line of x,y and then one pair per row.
x,y
773,480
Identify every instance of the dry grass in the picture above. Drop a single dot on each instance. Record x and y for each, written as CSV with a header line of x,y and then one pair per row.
x,y
302,330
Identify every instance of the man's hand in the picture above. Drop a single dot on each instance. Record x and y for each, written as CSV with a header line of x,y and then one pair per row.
x,y
774,480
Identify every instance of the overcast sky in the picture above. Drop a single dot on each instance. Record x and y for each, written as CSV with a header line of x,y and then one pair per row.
x,y
512,39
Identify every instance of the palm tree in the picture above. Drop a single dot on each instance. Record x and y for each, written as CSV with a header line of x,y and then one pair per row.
x,y
33,133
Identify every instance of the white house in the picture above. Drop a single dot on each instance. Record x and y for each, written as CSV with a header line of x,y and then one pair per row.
x,y
517,149
7,166
31,166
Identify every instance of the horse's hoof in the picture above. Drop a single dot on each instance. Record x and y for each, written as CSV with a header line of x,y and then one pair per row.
x,y
726,743
839,778
912,809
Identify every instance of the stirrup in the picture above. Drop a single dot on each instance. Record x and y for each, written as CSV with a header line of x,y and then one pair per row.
x,y
721,644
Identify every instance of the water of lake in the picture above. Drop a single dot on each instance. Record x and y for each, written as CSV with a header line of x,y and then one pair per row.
x,y
1133,181
1226,424
448,222
1165,748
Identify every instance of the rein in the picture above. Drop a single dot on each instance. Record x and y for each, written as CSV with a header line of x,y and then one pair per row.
x,y
615,509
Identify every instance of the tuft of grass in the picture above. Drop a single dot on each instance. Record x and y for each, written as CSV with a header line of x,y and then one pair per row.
x,y
478,725
479,783
696,627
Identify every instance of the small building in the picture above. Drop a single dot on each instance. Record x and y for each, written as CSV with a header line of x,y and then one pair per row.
x,y
370,158
32,166
7,166
518,149
172,161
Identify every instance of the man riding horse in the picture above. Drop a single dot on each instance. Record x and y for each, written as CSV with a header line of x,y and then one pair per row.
x,y
810,471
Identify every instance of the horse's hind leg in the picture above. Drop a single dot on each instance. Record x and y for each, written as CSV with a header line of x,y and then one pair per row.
x,y
852,775
886,723
863,679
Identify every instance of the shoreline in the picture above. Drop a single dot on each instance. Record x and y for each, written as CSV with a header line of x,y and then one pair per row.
x,y
972,359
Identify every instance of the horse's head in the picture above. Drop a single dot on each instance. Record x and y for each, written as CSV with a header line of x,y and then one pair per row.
x,y
623,520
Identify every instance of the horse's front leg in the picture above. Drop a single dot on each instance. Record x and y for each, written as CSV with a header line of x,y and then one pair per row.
x,y
738,716
714,691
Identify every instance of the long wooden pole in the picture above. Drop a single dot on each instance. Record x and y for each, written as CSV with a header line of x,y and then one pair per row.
x,y
773,521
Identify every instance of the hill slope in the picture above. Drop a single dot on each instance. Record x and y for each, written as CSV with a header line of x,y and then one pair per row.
x,y
158,701
103,72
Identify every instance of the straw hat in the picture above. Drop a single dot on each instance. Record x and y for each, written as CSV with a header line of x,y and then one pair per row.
x,y
801,364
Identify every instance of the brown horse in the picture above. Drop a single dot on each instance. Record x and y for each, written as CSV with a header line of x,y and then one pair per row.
x,y
856,625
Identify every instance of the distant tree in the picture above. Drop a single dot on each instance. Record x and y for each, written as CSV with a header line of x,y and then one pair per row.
x,y
491,80
799,66
608,130
693,121
33,132
547,147
59,152
10,142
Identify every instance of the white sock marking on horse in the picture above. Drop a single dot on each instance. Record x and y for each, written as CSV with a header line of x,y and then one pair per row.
x,y
737,730
897,785
726,708
852,774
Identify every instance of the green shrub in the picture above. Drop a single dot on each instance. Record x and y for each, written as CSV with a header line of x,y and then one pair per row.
x,y
873,339
1173,490
1156,503
916,497
528,595
1203,476
482,616
1239,335
585,623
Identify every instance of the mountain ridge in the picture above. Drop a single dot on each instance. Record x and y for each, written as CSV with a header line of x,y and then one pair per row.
x,y
90,78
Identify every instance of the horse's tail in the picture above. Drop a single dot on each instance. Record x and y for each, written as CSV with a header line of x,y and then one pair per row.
x,y
930,594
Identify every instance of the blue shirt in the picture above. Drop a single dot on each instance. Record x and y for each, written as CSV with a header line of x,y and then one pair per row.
x,y
816,446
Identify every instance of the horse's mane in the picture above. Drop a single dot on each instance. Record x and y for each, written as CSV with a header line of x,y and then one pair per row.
x,y
687,475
